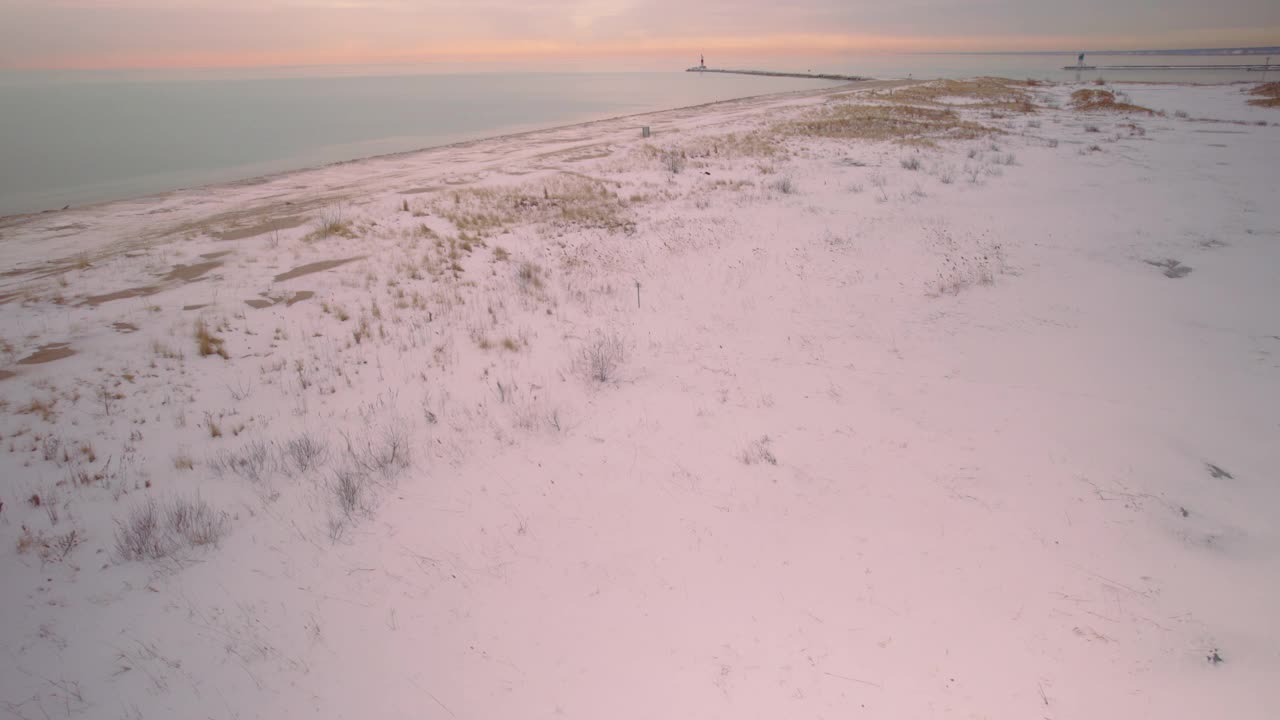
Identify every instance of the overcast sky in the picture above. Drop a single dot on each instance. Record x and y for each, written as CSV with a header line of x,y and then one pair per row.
x,y
617,33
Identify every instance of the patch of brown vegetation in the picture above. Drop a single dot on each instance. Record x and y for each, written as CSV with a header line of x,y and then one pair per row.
x,y
207,343
96,300
1088,100
259,303
215,255
1269,95
124,327
989,93
884,122
568,197
42,408
189,273
47,354
195,307
721,147
315,267
6,374
299,297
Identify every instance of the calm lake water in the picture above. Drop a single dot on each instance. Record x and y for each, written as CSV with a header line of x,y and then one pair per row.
x,y
85,137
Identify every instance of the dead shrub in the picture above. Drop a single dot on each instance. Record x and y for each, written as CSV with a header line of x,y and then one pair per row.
x,y
140,535
254,462
149,532
348,491
601,356
385,452
193,522
757,452
332,224
303,453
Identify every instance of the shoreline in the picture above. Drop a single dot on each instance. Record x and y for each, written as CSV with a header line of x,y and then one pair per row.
x,y
461,143
17,218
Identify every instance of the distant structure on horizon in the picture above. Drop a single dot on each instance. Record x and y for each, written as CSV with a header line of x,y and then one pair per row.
x,y
702,61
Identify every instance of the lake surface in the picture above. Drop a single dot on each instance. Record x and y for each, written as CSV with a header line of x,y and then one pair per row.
x,y
75,141
72,138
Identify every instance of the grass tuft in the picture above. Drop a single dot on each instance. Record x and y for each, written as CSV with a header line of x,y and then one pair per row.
x,y
332,224
207,343
152,532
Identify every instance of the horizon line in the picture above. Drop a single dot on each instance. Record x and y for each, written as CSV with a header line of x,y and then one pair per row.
x,y
1252,49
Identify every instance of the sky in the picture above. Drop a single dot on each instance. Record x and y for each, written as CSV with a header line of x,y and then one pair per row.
x,y
610,34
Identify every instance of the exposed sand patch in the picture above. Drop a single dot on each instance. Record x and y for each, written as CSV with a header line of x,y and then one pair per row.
x,y
143,291
216,255
124,327
47,354
419,190
6,374
267,301
195,307
315,267
190,273
284,223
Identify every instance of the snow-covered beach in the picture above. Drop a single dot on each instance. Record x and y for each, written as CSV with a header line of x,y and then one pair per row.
x,y
908,400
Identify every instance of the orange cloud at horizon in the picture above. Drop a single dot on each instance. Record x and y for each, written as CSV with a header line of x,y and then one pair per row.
x,y
649,48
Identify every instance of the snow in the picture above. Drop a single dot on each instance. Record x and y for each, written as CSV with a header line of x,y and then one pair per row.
x,y
914,444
